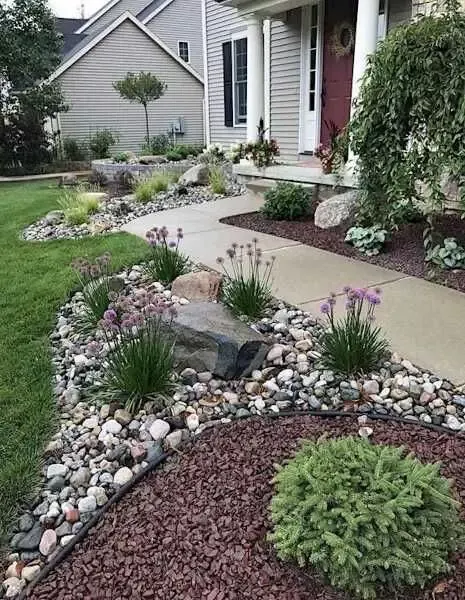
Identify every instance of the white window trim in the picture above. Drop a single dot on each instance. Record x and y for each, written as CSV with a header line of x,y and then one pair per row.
x,y
188,62
238,35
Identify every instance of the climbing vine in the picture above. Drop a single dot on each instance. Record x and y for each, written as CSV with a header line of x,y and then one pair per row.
x,y
408,130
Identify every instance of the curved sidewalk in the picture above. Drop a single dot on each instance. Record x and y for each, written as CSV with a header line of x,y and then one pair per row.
x,y
425,322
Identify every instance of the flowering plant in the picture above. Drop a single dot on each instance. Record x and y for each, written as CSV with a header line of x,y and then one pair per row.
x,y
326,156
246,289
213,154
353,345
166,262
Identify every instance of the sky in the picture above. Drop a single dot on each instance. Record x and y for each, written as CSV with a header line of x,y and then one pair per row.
x,y
72,8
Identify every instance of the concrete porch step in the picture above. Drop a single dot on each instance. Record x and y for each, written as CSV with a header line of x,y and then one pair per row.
x,y
258,187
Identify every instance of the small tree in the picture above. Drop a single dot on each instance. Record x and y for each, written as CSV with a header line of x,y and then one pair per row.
x,y
141,88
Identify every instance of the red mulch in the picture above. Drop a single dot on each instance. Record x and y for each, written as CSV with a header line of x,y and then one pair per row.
x,y
404,252
196,530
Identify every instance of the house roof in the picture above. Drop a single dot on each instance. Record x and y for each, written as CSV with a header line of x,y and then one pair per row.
x,y
67,28
89,42
152,10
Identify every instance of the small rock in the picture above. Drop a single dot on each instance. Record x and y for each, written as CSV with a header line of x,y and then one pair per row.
x,y
111,426
304,345
13,586
174,439
122,476
99,494
189,376
252,388
123,416
26,522
159,430
192,422
138,453
397,394
57,470
87,505
260,404
90,423
30,573
204,377
72,515
31,540
80,477
297,334
14,570
275,353
453,423
48,543
365,432
242,413
66,539
285,376
371,387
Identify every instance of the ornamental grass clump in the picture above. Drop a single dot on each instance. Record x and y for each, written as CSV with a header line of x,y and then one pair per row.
x,y
353,345
380,521
247,285
97,285
77,206
217,180
139,367
166,262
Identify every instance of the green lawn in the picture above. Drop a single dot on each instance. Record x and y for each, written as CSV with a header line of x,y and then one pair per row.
x,y
35,279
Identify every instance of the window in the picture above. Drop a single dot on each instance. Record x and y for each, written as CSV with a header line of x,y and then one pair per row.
x,y
183,51
382,19
240,80
313,57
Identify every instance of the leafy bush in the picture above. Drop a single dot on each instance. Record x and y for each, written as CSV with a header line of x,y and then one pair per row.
x,y
75,150
286,202
122,157
213,155
217,180
140,366
369,240
262,152
97,288
173,156
380,520
156,145
405,131
165,262
353,345
448,256
247,285
101,142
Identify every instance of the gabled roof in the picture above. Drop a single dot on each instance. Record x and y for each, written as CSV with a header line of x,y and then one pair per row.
x,y
89,42
152,10
67,28
105,8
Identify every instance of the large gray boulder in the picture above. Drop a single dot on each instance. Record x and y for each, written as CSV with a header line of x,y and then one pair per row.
x,y
197,175
210,338
337,210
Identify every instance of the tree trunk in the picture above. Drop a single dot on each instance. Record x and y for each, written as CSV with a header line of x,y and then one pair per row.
x,y
147,123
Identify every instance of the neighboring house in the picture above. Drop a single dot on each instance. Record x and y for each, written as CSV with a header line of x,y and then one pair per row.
x,y
133,35
296,63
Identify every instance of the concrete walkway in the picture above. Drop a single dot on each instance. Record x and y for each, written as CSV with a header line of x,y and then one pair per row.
x,y
424,321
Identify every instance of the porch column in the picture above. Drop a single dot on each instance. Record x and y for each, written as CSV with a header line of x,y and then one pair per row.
x,y
255,75
366,38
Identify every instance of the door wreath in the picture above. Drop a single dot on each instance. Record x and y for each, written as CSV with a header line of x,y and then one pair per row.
x,y
342,41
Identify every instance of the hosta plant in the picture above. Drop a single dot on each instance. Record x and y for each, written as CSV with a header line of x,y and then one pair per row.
x,y
166,261
380,521
353,344
448,256
247,283
369,240
140,365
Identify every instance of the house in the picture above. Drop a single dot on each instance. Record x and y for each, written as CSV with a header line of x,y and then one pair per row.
x,y
163,37
296,63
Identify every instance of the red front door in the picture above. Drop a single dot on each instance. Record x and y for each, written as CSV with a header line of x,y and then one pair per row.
x,y
338,60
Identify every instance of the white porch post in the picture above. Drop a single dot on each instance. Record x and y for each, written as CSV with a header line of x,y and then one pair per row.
x,y
366,38
255,75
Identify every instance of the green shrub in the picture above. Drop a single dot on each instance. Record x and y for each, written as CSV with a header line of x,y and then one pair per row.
x,y
101,142
367,516
369,240
75,150
76,206
173,156
286,202
213,155
448,256
165,262
247,285
139,368
122,157
158,144
217,180
353,344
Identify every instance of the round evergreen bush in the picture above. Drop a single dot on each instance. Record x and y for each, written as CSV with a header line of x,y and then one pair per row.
x,y
366,516
287,202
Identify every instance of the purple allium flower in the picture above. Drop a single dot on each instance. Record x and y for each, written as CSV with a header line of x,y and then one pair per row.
x,y
248,246
172,244
234,245
110,315
325,308
180,230
255,240
153,242
347,289
150,235
94,271
378,291
231,252
220,260
359,293
332,301
350,305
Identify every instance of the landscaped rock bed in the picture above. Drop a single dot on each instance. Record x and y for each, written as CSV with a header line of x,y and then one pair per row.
x,y
100,446
115,212
404,252
197,528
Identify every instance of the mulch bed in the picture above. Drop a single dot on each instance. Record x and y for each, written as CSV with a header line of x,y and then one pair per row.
x,y
196,530
404,252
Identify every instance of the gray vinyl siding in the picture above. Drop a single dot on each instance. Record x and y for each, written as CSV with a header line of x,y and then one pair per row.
x,y
285,83
181,21
94,104
400,11
222,22
133,6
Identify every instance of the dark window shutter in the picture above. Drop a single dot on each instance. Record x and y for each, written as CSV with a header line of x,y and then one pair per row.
x,y
228,84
